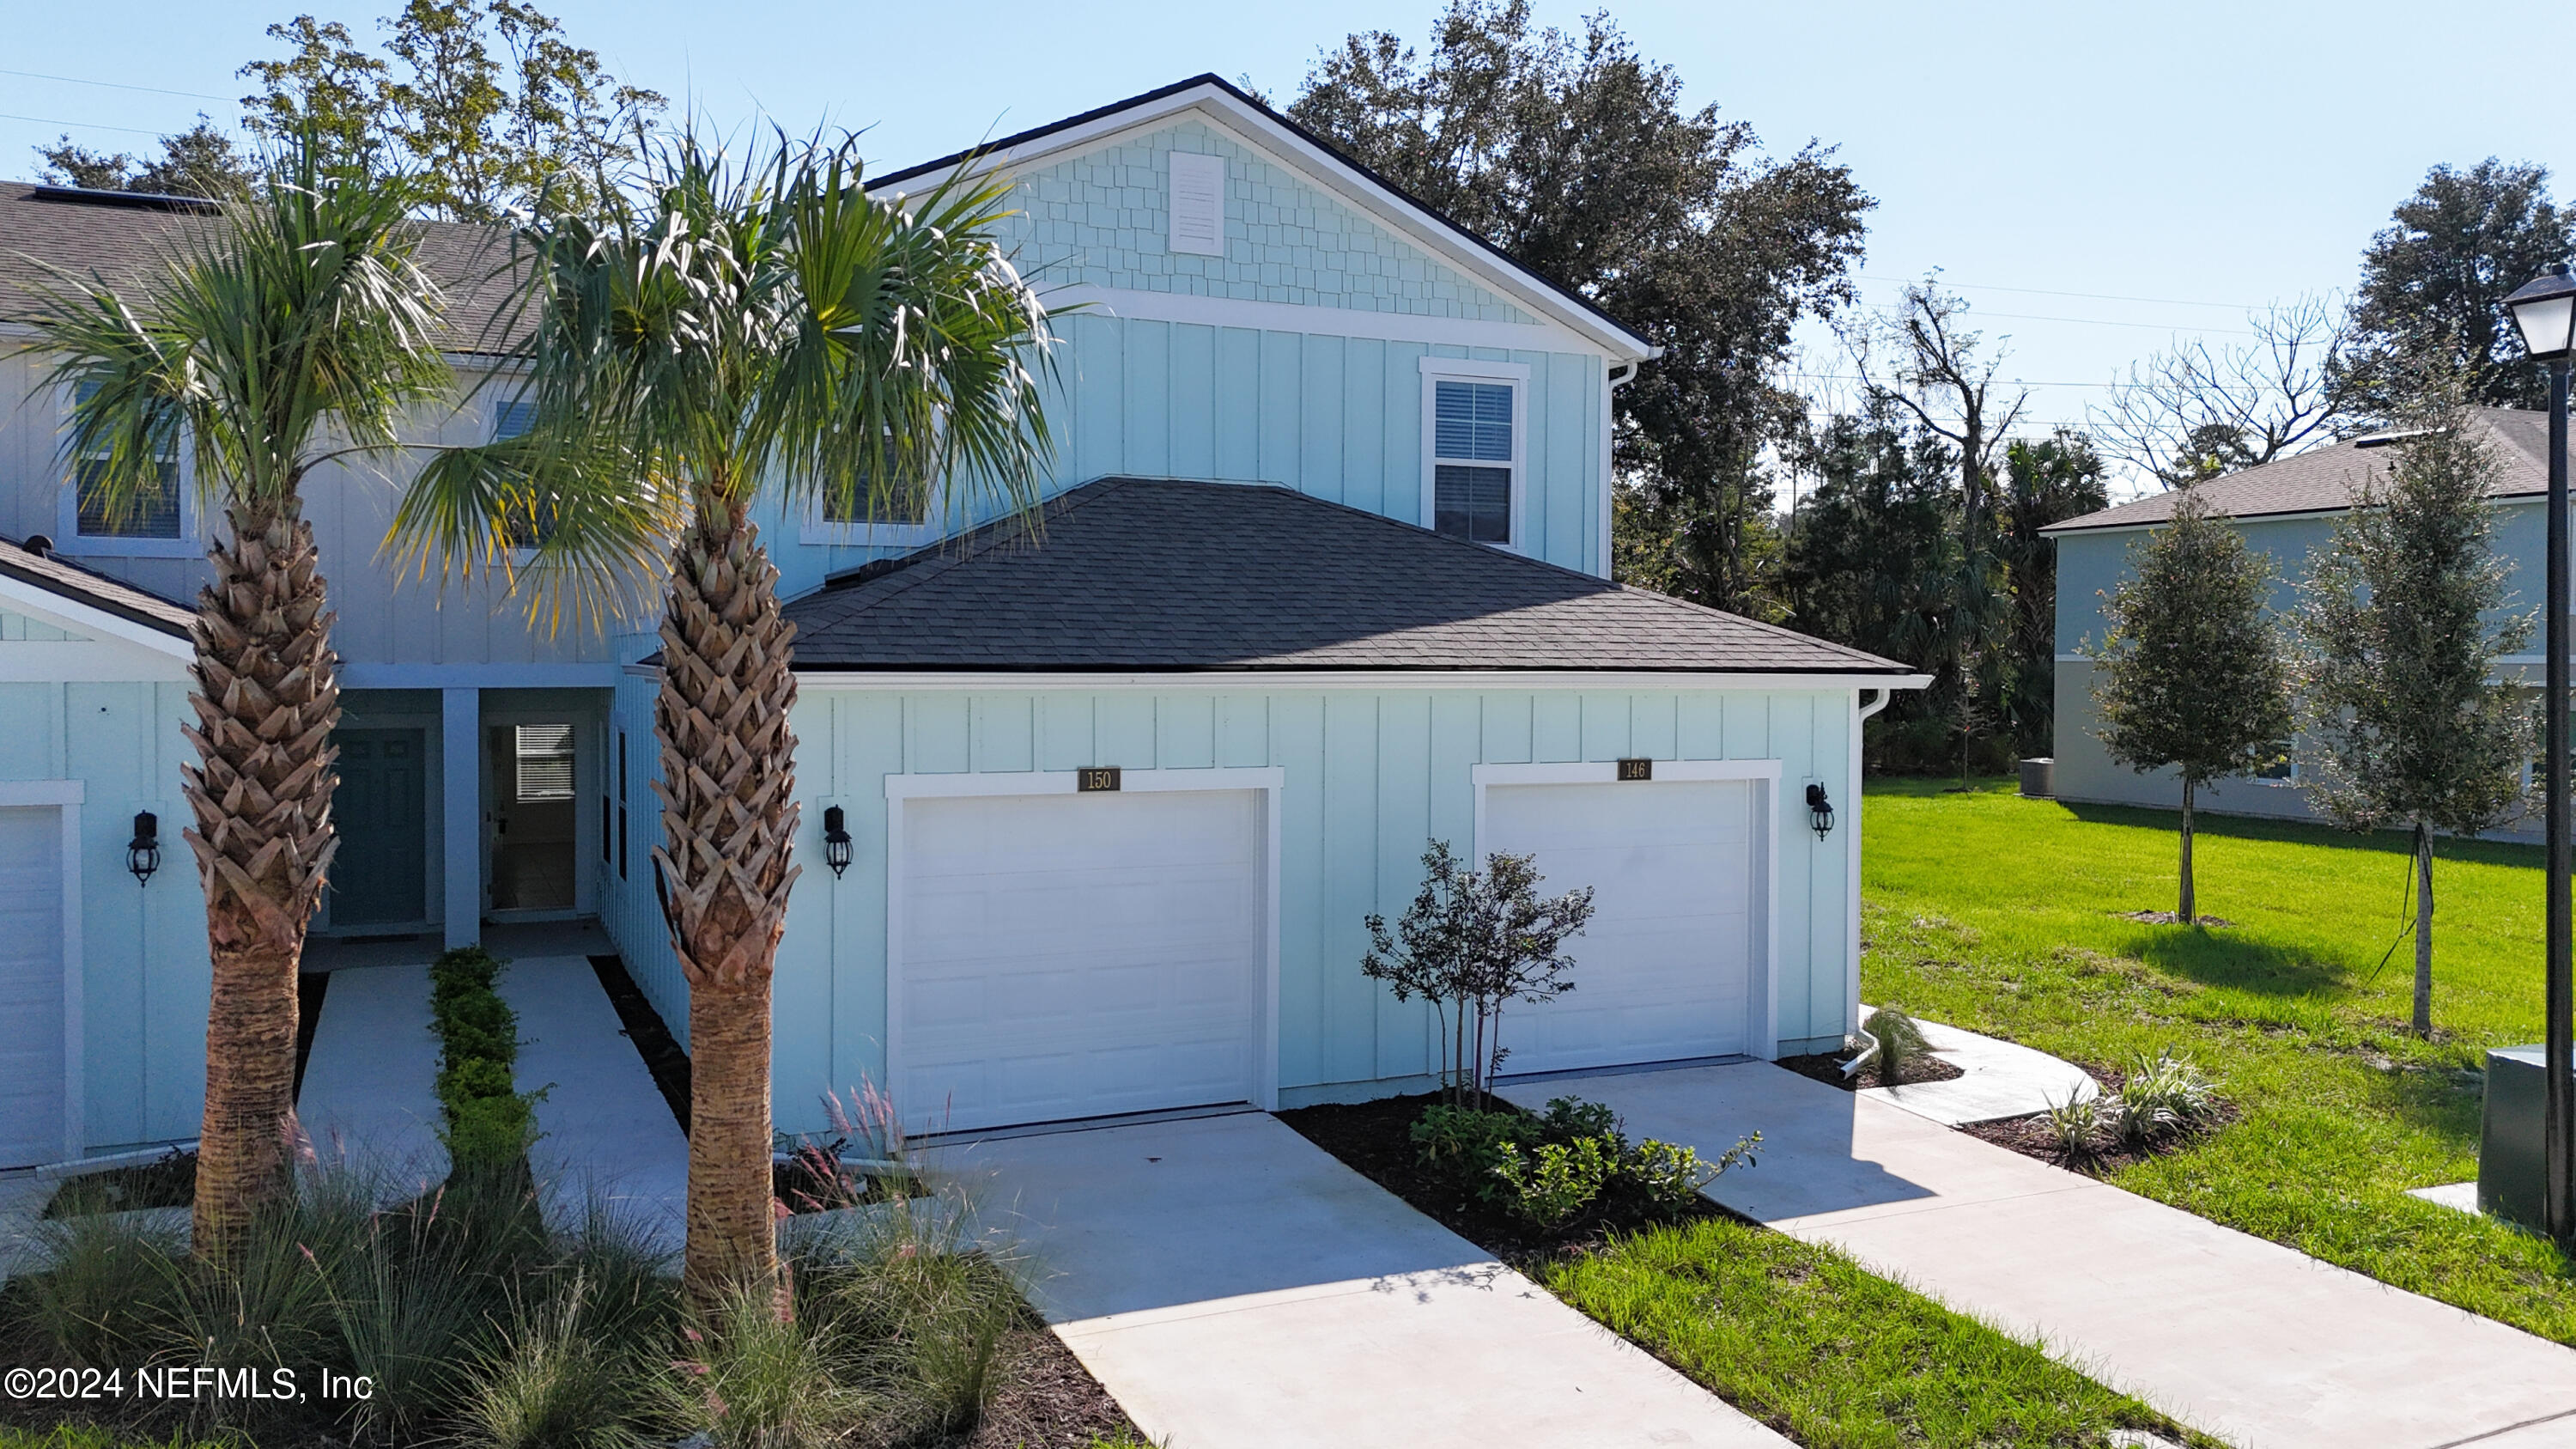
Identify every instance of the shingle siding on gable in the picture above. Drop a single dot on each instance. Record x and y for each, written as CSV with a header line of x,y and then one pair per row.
x,y
1103,218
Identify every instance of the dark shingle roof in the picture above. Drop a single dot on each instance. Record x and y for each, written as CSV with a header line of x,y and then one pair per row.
x,y
114,596
1164,575
2325,479
108,235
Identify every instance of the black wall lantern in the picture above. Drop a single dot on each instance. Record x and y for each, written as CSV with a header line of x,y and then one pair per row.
x,y
1820,811
143,852
836,840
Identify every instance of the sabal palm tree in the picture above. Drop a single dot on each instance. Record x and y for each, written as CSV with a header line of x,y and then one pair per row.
x,y
743,330
294,327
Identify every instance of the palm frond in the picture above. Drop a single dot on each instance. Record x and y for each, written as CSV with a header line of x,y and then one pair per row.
x,y
295,325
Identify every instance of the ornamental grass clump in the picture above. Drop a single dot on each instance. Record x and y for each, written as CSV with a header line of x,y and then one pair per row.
x,y
1901,1047
2163,1097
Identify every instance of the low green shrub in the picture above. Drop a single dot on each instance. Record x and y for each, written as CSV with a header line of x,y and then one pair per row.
x,y
1569,1164
1557,1181
1465,1144
490,1123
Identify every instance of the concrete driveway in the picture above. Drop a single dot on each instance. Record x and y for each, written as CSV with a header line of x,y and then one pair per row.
x,y
2262,1346
1237,1288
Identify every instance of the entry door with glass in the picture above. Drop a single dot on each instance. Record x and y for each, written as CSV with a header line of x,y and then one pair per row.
x,y
533,798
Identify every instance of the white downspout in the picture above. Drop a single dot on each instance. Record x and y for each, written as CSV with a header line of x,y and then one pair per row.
x,y
1619,376
1851,858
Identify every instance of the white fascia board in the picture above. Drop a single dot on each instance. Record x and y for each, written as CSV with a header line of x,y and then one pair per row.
x,y
1332,173
1273,680
69,613
2071,529
1142,306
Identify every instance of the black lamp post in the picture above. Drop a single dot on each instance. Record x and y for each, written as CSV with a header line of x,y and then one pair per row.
x,y
2544,311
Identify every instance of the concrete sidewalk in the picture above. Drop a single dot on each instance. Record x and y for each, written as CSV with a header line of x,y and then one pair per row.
x,y
370,1096
606,1134
1236,1288
1999,1079
2242,1338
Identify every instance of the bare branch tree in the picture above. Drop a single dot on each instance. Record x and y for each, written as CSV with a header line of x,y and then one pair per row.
x,y
1938,377
2198,411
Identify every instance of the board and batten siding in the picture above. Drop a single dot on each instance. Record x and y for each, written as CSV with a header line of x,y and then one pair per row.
x,y
1371,776
387,615
1335,417
144,970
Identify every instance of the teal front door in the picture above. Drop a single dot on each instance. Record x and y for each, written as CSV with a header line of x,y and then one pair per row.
x,y
377,878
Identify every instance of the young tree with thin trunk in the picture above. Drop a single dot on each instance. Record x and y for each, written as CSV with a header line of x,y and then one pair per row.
x,y
2192,671
745,330
2400,611
1473,942
292,329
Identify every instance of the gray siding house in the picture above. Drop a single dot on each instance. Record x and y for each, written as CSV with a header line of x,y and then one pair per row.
x,y
2287,510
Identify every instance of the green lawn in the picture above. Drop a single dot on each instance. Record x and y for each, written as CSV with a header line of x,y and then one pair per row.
x,y
1803,1339
2001,915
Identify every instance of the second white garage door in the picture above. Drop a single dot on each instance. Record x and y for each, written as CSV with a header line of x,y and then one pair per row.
x,y
1068,956
1665,969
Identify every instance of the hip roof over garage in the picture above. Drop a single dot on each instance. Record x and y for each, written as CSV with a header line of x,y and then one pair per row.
x,y
1165,575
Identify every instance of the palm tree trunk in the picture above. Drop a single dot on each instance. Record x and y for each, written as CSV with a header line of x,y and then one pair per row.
x,y
2186,909
267,698
729,818
2423,931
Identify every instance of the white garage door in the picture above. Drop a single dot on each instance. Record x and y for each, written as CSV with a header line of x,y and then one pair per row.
x,y
1065,956
31,985
1665,969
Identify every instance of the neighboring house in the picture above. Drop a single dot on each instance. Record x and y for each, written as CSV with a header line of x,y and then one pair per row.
x,y
1323,576
2286,509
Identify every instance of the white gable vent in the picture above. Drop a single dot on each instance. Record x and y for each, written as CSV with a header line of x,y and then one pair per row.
x,y
1198,204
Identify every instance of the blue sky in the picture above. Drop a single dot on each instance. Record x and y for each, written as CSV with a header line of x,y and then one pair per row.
x,y
2197,157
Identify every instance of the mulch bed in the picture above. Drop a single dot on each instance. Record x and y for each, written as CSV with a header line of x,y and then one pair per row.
x,y
1375,1139
2168,918
2030,1136
165,1182
642,1025
1048,1400
1827,1067
310,986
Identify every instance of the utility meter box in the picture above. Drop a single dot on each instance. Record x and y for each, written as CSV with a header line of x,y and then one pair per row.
x,y
2512,1155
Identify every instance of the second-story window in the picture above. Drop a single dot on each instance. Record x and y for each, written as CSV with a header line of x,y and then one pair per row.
x,y
529,523
1475,457
907,509
156,512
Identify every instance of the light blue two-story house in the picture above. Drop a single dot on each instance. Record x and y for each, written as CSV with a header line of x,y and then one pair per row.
x,y
1324,577
2287,511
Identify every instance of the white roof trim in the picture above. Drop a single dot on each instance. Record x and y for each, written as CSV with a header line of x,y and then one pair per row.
x,y
71,613
1252,127
1275,680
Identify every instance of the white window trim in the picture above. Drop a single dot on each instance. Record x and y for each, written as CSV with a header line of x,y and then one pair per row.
x,y
813,528
1516,375
69,539
1270,781
1762,1025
